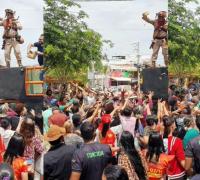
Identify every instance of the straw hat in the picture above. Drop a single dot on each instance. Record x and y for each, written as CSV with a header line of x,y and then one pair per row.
x,y
54,133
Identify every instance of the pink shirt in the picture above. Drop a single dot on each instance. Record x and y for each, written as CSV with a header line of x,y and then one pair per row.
x,y
128,124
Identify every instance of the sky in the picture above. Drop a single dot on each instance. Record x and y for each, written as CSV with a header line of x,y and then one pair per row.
x,y
121,22
31,17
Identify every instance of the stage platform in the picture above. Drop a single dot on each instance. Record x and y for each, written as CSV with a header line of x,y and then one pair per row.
x,y
12,88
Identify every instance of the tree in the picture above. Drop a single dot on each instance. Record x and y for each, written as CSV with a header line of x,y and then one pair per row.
x,y
70,46
184,37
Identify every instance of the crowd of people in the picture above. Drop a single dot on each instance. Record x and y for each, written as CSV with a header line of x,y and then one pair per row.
x,y
21,142
81,133
120,136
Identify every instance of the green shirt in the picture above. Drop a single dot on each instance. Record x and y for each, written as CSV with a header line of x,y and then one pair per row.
x,y
61,108
190,134
46,114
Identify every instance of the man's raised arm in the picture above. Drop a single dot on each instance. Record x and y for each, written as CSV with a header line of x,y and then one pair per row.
x,y
146,18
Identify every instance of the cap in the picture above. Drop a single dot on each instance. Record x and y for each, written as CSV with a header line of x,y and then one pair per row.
x,y
58,119
106,118
162,14
9,11
54,133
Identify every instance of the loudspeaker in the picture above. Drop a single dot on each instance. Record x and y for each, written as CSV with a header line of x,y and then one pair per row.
x,y
12,87
156,80
11,83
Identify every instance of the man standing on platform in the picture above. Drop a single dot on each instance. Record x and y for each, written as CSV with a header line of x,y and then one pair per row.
x,y
40,49
159,36
11,38
40,53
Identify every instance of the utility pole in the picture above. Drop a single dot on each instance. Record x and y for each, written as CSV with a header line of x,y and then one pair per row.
x,y
137,50
138,63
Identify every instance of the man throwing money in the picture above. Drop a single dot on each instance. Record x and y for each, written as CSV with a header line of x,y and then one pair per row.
x,y
159,36
11,38
40,48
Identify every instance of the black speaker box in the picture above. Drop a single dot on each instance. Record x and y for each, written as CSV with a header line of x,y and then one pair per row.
x,y
156,80
12,87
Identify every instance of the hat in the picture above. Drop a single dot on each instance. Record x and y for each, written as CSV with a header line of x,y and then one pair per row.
x,y
58,119
9,11
162,14
54,133
106,118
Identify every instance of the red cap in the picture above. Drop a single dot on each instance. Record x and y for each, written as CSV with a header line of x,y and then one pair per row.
x,y
106,118
58,119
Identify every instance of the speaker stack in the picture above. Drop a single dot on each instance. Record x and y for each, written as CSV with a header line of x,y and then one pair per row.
x,y
156,80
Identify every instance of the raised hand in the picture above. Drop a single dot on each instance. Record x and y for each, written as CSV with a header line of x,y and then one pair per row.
x,y
150,95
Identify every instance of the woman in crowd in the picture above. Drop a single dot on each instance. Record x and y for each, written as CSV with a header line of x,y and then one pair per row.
x,y
174,147
14,156
157,160
130,159
128,121
106,135
33,145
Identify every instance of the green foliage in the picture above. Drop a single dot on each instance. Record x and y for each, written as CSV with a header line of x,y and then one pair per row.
x,y
70,46
184,37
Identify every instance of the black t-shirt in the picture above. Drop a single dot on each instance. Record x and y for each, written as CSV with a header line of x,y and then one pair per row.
x,y
90,160
193,151
57,162
41,49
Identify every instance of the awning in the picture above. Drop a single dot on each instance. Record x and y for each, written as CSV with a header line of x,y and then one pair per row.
x,y
121,79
